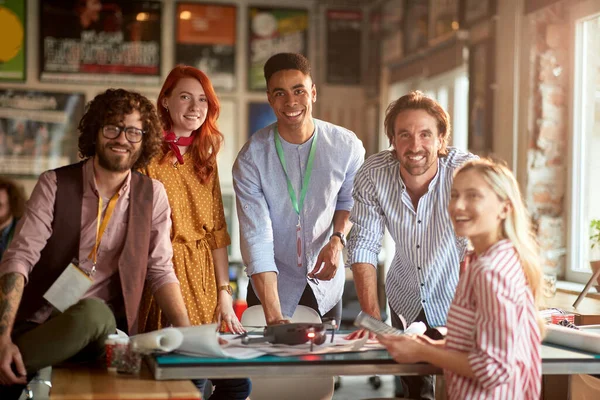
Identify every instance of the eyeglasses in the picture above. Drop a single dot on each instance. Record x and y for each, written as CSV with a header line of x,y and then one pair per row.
x,y
132,134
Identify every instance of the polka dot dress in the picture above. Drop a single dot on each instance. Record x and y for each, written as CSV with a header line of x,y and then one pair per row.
x,y
198,228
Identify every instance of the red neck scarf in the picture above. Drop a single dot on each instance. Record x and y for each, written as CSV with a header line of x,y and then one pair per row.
x,y
176,141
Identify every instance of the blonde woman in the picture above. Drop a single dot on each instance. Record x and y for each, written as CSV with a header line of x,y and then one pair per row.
x,y
493,346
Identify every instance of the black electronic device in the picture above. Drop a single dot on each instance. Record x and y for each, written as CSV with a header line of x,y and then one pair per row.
x,y
293,334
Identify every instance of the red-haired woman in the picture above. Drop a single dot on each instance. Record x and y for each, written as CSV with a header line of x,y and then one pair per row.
x,y
188,109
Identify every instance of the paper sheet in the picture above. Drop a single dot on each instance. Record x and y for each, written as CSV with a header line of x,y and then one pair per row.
x,y
203,341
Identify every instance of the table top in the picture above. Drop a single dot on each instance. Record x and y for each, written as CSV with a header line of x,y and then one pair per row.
x,y
98,384
556,361
588,311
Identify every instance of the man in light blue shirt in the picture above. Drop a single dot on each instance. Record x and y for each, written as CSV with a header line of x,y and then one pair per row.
x,y
293,184
407,190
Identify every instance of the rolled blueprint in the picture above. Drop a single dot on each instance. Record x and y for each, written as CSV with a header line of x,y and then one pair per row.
x,y
166,340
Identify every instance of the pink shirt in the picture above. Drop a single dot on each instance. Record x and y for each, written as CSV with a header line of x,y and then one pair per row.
x,y
35,228
493,318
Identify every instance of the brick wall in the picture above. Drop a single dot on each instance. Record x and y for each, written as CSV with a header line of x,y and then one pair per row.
x,y
547,158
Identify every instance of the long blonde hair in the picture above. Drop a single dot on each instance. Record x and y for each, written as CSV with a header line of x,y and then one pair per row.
x,y
517,225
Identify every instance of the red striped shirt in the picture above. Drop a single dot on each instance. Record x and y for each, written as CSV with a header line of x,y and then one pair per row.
x,y
493,318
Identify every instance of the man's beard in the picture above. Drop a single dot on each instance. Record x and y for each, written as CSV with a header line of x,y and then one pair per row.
x,y
417,170
115,163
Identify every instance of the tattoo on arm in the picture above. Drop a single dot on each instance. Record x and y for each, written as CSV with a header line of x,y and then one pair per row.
x,y
11,289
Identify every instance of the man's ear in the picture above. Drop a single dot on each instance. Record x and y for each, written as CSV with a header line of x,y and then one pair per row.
x,y
314,93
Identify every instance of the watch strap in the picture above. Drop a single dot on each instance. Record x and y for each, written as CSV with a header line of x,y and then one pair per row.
x,y
341,236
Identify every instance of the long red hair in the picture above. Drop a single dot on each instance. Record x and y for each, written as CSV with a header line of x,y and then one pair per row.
x,y
207,140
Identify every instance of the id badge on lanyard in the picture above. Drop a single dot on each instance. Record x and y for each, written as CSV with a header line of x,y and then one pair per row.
x,y
74,282
297,205
299,243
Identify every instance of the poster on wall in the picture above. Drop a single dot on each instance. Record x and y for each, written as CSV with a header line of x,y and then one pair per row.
x,y
343,33
259,116
38,130
100,41
481,97
12,45
272,31
205,39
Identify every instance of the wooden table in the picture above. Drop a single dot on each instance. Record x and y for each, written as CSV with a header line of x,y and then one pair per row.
x,y
99,384
588,312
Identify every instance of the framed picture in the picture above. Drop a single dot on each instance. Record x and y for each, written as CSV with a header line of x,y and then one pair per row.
x,y
13,31
206,39
481,97
443,19
110,41
271,31
473,11
416,25
38,130
344,31
259,116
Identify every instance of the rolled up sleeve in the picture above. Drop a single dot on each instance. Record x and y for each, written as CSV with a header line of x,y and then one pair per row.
x,y
160,263
493,361
367,232
256,231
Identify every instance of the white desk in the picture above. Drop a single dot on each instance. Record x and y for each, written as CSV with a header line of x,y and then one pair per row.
x,y
556,361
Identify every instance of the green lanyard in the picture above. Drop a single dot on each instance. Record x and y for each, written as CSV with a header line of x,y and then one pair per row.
x,y
311,158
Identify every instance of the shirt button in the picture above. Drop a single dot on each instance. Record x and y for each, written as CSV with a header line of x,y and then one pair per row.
x,y
419,268
422,284
419,221
423,301
418,246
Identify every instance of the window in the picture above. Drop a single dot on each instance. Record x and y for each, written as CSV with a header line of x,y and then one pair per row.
x,y
585,117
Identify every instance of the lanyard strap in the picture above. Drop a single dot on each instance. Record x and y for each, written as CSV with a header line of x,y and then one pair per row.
x,y
101,226
311,158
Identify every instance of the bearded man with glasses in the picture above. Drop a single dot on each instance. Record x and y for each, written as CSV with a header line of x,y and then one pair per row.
x,y
97,228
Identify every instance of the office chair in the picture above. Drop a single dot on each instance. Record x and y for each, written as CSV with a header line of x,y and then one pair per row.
x,y
291,388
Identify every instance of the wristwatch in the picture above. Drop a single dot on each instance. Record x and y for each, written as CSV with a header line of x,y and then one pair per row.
x,y
341,236
226,288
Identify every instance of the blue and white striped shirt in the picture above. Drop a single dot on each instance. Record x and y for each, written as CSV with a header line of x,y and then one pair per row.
x,y
267,217
424,271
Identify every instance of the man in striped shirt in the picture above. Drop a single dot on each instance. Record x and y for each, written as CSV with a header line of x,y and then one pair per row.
x,y
407,189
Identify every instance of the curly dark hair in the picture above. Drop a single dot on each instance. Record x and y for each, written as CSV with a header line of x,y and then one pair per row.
x,y
16,196
109,108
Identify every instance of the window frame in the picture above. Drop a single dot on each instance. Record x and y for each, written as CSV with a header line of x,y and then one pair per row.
x,y
575,231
